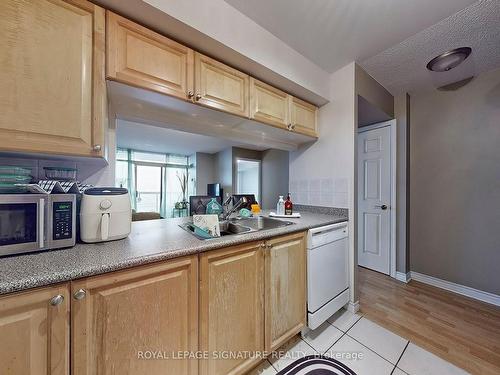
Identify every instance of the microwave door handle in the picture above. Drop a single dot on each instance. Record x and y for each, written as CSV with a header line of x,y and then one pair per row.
x,y
41,223
104,227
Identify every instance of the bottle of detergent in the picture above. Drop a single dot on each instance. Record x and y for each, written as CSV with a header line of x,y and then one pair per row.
x,y
280,207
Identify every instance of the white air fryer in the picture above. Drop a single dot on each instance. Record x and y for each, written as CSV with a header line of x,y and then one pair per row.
x,y
105,214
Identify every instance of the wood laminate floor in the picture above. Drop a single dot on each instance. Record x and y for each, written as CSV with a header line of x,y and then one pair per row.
x,y
461,330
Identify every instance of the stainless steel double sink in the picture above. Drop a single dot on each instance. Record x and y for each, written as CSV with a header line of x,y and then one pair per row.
x,y
239,226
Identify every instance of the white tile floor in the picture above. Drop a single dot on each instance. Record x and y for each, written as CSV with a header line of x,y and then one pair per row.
x,y
367,348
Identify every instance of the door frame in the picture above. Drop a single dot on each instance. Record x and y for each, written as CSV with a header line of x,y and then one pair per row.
x,y
235,179
393,217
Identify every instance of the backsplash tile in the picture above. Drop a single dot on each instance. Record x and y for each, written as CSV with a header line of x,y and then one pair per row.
x,y
326,192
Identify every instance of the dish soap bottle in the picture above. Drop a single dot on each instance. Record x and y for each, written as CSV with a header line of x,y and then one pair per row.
x,y
214,207
280,207
288,205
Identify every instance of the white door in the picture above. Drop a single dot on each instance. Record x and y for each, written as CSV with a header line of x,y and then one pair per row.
x,y
374,197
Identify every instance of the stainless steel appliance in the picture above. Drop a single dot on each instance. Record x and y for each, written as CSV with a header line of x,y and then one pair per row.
x,y
34,222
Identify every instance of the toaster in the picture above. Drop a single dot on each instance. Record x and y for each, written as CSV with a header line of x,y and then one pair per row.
x,y
105,214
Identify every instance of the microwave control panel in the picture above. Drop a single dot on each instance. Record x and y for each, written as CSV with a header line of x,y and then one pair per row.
x,y
62,214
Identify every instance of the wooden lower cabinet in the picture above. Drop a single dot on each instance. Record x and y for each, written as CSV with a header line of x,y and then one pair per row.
x,y
142,321
231,307
285,288
34,332
129,322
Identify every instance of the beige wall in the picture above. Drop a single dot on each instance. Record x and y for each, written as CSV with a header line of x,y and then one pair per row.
x,y
205,165
328,165
374,92
275,177
455,184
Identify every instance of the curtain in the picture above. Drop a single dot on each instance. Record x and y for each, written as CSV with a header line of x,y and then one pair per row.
x,y
131,180
164,210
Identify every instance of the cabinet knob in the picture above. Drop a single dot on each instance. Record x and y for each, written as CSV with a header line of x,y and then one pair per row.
x,y
57,300
97,148
198,96
293,127
289,127
190,94
263,245
79,294
269,247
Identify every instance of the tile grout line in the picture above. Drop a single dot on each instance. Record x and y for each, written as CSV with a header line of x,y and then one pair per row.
x,y
401,356
344,333
268,361
363,345
336,341
356,322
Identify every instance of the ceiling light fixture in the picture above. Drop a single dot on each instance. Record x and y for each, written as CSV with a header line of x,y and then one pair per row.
x,y
449,59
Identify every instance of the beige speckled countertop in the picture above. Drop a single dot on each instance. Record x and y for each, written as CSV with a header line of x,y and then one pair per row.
x,y
149,241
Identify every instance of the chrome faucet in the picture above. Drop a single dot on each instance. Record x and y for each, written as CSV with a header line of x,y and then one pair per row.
x,y
228,212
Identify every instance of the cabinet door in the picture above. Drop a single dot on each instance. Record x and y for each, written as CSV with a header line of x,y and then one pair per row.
x,y
285,289
303,117
52,76
268,104
143,58
220,86
134,321
34,331
231,307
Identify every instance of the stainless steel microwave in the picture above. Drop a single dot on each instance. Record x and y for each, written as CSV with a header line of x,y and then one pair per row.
x,y
35,222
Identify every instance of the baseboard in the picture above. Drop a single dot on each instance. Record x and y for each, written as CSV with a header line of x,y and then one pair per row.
x,y
352,307
403,277
487,297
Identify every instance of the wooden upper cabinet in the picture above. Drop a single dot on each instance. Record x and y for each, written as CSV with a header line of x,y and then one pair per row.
x,y
53,95
220,86
303,117
285,288
268,104
35,332
143,58
231,307
122,317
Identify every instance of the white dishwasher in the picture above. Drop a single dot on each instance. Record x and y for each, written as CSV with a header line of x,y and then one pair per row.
x,y
327,272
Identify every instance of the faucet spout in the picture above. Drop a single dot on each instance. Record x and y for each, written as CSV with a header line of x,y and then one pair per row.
x,y
236,207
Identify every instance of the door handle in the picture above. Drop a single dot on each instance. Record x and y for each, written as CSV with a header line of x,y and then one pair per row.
x,y
382,207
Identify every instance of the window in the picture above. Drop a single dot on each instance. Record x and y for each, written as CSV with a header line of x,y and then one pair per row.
x,y
152,179
248,177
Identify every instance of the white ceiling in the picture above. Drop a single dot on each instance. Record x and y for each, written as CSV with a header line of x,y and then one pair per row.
x,y
333,33
156,139
401,68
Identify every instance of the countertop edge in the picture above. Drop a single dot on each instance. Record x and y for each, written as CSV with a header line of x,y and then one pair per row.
x,y
65,276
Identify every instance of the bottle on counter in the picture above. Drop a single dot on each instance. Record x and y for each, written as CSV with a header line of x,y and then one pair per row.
x,y
288,205
280,207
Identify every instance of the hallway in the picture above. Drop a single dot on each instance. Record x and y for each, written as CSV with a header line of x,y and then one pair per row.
x,y
458,329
